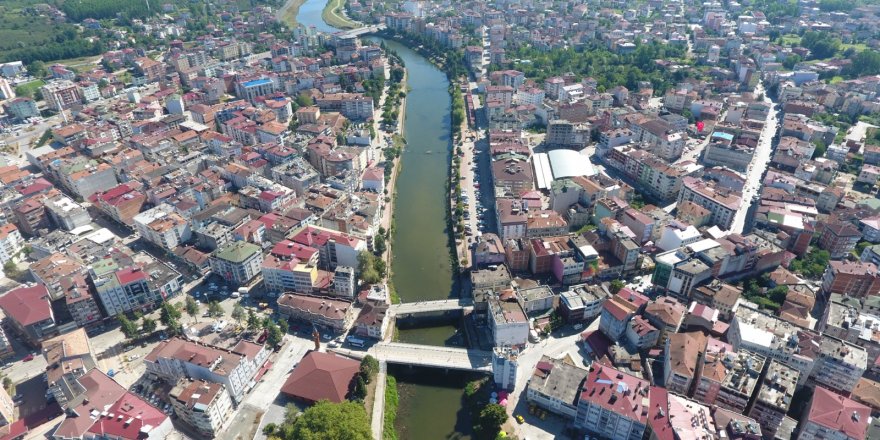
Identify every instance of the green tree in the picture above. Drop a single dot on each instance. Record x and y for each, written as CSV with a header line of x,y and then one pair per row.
x,y
11,270
127,326
367,268
275,335
170,317
148,325
191,307
369,368
284,326
326,420
379,244
360,388
214,309
615,286
37,69
490,420
304,100
238,313
253,323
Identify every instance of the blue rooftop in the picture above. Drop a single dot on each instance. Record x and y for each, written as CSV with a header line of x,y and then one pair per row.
x,y
257,82
726,136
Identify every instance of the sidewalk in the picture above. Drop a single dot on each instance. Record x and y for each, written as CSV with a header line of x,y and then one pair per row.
x,y
378,422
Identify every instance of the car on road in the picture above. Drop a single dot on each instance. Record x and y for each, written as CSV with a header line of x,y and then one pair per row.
x,y
28,358
18,397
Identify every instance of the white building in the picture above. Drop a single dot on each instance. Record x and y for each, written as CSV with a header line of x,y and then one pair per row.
x,y
504,365
205,406
238,262
10,242
508,322
163,227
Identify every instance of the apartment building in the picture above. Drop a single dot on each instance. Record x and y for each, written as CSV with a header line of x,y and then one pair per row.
x,y
177,358
613,404
330,312
61,94
554,386
839,366
729,379
853,278
238,262
508,323
68,357
11,242
29,313
81,304
723,203
832,416
683,360
122,290
121,203
773,397
163,227
206,406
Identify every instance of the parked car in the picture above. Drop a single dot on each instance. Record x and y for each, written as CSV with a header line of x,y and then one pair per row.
x,y
28,358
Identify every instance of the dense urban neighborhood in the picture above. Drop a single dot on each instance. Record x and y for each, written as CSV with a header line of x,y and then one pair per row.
x,y
361,219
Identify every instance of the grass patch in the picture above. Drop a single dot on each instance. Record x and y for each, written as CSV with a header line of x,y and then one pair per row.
x,y
790,40
389,432
288,16
334,16
836,79
29,88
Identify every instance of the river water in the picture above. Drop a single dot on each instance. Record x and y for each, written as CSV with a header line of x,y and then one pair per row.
x,y
430,401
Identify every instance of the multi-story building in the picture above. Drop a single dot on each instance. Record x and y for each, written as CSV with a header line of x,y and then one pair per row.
x,y
177,358
61,94
292,267
839,366
618,310
344,282
665,314
640,334
65,213
22,108
723,203
505,361
373,321
512,177
29,313
163,227
582,302
613,404
53,269
68,357
853,278
683,357
334,248
839,238
80,303
122,290
238,262
555,385
11,242
774,339
719,296
121,203
832,416
774,397
728,379
330,312
508,323
206,406
7,408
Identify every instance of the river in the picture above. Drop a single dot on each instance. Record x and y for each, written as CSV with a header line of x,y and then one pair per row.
x,y
430,402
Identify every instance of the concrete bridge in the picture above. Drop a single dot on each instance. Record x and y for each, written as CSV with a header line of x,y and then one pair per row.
x,y
431,307
417,355
361,31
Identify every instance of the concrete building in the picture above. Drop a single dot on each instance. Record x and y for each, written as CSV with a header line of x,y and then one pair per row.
x,y
22,108
554,386
65,213
163,227
122,290
857,279
344,282
839,366
61,94
373,321
504,367
832,416
613,404
508,323
238,262
177,358
330,312
721,202
29,313
68,357
582,302
773,397
121,203
683,358
11,242
728,379
205,406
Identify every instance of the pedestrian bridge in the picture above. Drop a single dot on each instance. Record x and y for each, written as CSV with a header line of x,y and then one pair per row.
x,y
429,307
426,356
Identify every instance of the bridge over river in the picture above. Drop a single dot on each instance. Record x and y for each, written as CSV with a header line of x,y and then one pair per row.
x,y
426,356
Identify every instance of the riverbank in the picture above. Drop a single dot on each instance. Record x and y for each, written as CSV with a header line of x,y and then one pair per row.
x,y
287,14
334,15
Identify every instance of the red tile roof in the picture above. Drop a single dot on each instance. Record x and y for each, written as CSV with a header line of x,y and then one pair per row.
x,y
129,418
130,275
617,392
839,413
101,392
27,305
321,376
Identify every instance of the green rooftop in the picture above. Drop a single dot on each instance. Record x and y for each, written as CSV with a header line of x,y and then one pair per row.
x,y
237,252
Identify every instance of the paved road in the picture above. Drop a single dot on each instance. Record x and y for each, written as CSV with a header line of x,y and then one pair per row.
x,y
425,355
430,306
759,162
378,421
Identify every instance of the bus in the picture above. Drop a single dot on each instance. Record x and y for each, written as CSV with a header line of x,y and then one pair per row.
x,y
356,342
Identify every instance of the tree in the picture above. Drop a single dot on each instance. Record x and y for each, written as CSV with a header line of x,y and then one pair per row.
x,y
275,335
10,269
238,313
326,420
820,149
615,286
170,316
149,325
191,307
214,309
490,420
360,388
367,269
304,100
37,69
127,326
369,368
379,244
284,326
253,323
